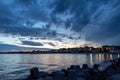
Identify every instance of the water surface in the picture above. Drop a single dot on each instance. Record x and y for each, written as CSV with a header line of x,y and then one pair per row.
x,y
17,66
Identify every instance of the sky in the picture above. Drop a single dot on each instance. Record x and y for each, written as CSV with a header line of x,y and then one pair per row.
x,y
54,24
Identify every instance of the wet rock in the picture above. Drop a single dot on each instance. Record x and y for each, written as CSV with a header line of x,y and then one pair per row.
x,y
95,71
51,74
96,66
72,66
80,79
65,72
85,66
113,61
39,79
34,73
43,74
58,75
118,62
48,78
72,75
80,73
75,67
114,77
111,71
78,67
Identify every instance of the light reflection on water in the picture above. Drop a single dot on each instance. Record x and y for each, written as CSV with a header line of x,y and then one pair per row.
x,y
15,66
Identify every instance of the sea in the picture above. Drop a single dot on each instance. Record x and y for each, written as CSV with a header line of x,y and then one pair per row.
x,y
17,66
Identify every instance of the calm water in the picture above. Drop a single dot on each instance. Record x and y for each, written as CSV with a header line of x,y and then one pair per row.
x,y
17,66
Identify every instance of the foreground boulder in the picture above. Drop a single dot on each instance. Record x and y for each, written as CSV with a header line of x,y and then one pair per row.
x,y
114,77
59,75
75,72
113,69
34,73
72,75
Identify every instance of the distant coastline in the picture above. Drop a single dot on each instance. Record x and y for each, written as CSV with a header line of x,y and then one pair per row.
x,y
58,53
79,50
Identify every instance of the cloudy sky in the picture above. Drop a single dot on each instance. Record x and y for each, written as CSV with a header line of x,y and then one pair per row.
x,y
52,24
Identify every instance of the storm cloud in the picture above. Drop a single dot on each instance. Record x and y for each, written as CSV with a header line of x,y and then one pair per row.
x,y
94,21
9,47
31,43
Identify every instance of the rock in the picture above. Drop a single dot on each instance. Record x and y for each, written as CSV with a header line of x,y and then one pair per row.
x,y
59,75
72,74
48,78
118,63
78,67
75,67
85,66
80,79
34,72
39,79
43,74
65,71
96,66
113,61
95,69
51,74
80,73
72,66
111,71
114,77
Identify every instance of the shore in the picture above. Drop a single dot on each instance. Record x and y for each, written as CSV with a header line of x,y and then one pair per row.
x,y
59,53
111,71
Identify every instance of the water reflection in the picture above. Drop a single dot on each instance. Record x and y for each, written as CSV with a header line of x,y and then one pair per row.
x,y
14,65
91,59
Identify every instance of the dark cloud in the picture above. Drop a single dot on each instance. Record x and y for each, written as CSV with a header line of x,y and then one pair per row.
x,y
77,8
34,10
105,27
93,20
26,2
7,47
61,6
6,15
20,30
31,43
96,21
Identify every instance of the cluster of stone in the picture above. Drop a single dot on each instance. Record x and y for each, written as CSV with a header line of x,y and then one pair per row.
x,y
112,72
75,72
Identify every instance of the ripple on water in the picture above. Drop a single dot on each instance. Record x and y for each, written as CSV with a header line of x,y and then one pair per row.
x,y
14,68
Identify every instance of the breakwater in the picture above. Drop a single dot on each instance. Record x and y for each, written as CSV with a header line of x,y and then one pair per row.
x,y
75,72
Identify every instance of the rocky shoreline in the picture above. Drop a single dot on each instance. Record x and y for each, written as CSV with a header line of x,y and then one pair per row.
x,y
75,72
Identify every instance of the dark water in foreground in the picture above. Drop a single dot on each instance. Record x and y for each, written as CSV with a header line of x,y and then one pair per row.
x,y
17,66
